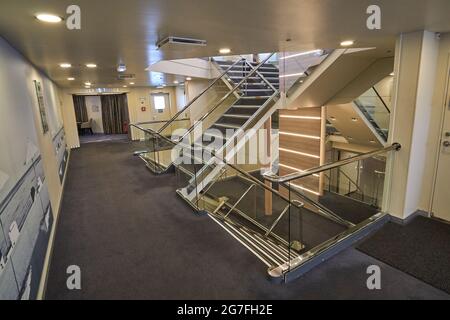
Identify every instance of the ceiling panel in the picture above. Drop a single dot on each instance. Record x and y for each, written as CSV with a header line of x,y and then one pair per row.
x,y
116,31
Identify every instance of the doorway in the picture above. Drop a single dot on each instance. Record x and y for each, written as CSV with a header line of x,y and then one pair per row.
x,y
160,103
101,117
441,197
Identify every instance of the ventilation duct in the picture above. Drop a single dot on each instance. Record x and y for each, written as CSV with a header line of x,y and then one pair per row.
x,y
180,41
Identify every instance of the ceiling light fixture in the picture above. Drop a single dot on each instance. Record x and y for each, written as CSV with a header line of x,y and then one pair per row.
x,y
225,50
131,83
65,65
392,74
347,43
47,17
121,68
354,119
87,83
70,78
176,82
318,52
188,79
125,86
91,65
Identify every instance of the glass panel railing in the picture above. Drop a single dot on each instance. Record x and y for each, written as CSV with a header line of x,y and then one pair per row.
x,y
221,115
295,67
334,207
375,110
252,211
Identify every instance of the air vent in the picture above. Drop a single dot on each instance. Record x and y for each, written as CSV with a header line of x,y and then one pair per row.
x,y
123,76
182,41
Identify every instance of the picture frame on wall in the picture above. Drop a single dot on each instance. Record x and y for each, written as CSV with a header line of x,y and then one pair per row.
x,y
41,106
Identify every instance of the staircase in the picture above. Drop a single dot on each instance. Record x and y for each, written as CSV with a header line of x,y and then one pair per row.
x,y
256,90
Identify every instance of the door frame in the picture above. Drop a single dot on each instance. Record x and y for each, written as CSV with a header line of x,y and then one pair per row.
x,y
444,109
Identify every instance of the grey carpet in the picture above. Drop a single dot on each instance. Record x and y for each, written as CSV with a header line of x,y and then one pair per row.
x,y
133,238
421,249
347,208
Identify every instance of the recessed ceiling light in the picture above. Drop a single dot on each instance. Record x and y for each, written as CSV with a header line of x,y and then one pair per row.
x,y
125,86
188,78
354,119
91,65
70,78
159,87
332,118
176,82
87,87
372,141
225,50
392,74
347,43
87,83
47,17
65,65
121,68
131,83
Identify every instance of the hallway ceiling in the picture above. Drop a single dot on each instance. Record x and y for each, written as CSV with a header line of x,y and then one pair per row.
x,y
114,31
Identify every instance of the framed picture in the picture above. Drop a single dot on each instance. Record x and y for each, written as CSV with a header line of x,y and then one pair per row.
x,y
40,98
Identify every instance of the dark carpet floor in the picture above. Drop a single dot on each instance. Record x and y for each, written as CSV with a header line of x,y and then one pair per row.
x,y
347,208
421,249
133,238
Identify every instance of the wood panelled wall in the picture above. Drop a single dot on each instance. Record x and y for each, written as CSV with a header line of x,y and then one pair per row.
x,y
300,146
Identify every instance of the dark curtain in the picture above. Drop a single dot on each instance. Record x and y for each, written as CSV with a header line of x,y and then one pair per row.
x,y
115,113
80,108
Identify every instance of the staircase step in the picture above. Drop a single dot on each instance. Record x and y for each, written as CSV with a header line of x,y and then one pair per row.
x,y
238,116
227,125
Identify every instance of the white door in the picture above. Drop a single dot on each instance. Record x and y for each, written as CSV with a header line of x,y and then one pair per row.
x,y
441,199
161,106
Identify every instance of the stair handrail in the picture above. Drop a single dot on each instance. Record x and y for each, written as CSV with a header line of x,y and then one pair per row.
x,y
199,95
270,176
382,100
225,97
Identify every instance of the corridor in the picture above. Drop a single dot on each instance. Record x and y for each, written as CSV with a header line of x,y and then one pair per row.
x,y
134,238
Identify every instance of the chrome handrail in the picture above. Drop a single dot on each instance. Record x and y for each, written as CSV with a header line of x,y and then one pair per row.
x,y
158,121
199,95
225,97
297,175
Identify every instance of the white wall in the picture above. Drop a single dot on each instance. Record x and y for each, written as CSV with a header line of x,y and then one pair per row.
x,y
20,125
94,111
415,69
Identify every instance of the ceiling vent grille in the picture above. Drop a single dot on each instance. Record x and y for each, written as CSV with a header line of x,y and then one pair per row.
x,y
181,41
126,76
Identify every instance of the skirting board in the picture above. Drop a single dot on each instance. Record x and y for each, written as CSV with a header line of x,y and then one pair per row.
x,y
48,255
409,218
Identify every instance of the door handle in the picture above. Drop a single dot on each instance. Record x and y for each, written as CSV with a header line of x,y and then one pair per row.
x,y
446,143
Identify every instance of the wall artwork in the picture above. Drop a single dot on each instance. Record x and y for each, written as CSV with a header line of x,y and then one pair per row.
x,y
40,99
62,153
26,219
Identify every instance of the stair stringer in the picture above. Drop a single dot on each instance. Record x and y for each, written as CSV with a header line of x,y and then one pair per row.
x,y
219,165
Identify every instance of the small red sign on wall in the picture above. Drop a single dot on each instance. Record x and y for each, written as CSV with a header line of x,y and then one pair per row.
x,y
143,109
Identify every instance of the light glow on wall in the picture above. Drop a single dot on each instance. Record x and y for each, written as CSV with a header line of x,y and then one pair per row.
x,y
299,135
300,153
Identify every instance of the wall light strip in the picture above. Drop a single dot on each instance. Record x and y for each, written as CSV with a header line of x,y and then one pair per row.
x,y
301,54
295,169
300,117
300,153
292,75
305,189
300,135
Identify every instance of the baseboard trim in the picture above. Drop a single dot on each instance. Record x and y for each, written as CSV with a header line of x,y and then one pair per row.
x,y
44,277
410,218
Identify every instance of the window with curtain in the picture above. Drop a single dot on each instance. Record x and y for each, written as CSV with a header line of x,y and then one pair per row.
x,y
115,113
79,103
